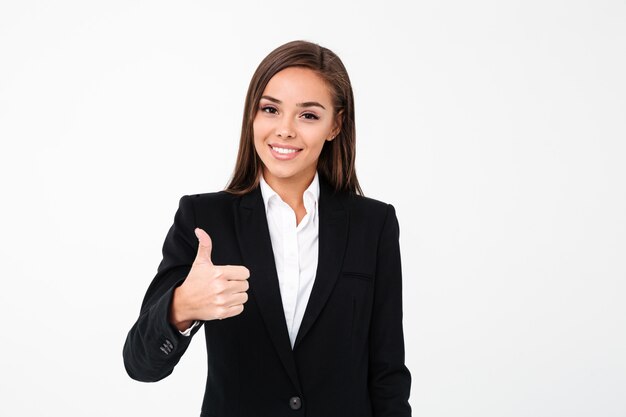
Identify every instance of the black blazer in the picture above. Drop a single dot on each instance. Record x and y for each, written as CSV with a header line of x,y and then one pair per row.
x,y
348,357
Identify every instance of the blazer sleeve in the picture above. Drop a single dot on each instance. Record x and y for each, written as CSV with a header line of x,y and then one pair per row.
x,y
153,346
389,378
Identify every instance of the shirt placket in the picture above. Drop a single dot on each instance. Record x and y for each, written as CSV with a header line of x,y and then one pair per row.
x,y
291,264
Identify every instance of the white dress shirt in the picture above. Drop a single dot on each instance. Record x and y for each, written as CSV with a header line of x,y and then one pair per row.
x,y
295,250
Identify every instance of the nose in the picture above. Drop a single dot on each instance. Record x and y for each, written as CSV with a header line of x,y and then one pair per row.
x,y
285,129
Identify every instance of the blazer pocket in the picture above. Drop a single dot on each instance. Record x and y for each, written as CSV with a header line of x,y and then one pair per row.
x,y
358,275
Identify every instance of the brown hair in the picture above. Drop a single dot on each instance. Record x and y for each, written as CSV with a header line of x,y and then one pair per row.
x,y
336,160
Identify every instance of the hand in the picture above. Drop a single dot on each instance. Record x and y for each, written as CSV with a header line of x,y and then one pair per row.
x,y
210,291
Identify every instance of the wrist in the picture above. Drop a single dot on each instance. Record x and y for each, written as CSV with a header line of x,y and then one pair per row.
x,y
177,316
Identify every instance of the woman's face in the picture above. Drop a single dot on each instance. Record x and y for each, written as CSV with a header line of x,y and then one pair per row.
x,y
294,118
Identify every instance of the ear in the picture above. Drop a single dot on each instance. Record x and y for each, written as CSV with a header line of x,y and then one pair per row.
x,y
337,125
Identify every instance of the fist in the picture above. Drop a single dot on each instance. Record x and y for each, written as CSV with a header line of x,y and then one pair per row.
x,y
210,291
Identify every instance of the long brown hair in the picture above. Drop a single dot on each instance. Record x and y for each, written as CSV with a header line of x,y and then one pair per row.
x,y
336,160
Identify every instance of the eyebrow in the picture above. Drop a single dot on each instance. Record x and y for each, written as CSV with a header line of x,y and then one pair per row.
x,y
305,104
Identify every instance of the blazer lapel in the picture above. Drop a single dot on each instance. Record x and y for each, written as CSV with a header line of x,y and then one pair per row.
x,y
256,250
333,236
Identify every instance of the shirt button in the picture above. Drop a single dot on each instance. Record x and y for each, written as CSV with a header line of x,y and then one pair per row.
x,y
295,403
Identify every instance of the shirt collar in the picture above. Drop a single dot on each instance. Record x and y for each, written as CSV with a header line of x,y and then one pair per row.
x,y
310,196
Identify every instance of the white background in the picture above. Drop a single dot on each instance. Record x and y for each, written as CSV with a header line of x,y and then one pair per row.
x,y
496,128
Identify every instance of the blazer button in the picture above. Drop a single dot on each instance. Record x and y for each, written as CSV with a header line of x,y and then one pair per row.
x,y
295,403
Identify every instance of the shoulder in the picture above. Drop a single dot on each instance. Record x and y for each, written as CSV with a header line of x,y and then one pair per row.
x,y
368,204
218,197
369,210
204,201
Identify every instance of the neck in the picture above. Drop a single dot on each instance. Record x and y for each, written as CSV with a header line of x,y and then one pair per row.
x,y
290,190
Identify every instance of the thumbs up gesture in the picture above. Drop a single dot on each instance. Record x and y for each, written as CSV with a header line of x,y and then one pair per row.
x,y
210,291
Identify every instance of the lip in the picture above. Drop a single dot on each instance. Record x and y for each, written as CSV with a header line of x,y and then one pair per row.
x,y
284,157
280,145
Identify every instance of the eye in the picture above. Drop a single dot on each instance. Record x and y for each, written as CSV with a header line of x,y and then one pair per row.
x,y
269,109
310,116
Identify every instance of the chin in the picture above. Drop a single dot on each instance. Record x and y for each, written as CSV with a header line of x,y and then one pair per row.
x,y
281,173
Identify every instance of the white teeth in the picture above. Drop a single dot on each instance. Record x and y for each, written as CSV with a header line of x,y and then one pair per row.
x,y
283,150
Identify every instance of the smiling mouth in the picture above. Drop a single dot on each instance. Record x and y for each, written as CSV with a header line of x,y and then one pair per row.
x,y
284,151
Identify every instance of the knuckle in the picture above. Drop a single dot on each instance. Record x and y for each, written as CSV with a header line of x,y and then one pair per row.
x,y
219,287
219,300
218,272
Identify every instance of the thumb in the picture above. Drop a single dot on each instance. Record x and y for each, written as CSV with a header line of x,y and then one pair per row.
x,y
204,247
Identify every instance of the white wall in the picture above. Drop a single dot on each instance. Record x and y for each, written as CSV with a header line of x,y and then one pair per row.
x,y
496,128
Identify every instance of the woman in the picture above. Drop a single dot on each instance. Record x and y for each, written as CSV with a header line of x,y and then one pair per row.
x,y
293,273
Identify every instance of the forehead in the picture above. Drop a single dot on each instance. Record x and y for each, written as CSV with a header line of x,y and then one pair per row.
x,y
296,84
